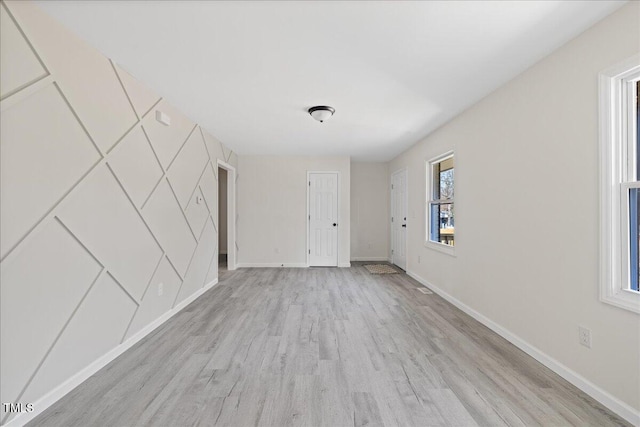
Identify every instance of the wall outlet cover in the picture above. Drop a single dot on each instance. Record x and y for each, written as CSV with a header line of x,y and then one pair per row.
x,y
584,336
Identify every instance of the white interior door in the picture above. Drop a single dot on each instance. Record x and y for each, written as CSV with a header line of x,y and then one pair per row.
x,y
399,218
323,219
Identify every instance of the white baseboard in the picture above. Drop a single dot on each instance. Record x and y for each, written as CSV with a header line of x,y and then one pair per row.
x,y
280,265
270,265
616,405
370,258
56,394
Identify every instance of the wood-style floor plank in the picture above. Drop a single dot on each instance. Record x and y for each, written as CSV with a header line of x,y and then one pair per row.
x,y
324,347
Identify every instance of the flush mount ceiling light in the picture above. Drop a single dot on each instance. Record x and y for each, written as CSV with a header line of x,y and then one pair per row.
x,y
321,112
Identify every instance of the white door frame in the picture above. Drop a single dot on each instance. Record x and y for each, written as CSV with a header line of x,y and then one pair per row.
x,y
231,213
406,240
309,214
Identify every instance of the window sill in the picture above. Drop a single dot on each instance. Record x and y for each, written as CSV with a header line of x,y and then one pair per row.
x,y
445,249
622,298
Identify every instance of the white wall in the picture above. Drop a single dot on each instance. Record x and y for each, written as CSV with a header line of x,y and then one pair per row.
x,y
222,210
369,211
98,207
272,208
527,210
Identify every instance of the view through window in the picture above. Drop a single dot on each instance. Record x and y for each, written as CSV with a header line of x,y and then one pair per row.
x,y
441,206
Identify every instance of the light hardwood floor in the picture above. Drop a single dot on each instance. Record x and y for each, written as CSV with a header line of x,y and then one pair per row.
x,y
325,347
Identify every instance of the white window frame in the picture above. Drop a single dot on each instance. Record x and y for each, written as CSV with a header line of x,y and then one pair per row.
x,y
447,249
617,176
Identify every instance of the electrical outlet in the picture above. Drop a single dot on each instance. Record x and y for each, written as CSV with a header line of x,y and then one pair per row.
x,y
160,289
584,336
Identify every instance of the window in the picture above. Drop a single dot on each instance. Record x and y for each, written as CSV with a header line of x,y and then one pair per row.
x,y
620,184
440,205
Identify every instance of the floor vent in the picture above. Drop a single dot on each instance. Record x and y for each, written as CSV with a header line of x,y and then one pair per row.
x,y
424,290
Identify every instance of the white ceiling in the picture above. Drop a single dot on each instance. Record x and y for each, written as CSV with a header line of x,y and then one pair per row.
x,y
394,71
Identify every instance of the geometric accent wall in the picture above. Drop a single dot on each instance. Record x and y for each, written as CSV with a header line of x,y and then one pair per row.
x,y
107,217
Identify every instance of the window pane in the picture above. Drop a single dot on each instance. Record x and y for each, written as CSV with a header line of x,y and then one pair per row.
x,y
443,179
442,223
638,129
436,181
434,226
634,208
446,184
634,238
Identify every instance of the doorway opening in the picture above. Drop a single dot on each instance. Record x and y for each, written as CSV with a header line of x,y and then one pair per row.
x,y
222,219
226,217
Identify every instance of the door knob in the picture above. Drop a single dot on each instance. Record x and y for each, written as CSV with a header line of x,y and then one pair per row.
x,y
404,225
335,225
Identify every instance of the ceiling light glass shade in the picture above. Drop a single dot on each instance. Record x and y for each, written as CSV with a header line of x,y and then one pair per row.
x,y
321,112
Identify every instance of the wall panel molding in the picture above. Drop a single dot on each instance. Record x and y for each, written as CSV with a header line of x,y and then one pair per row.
x,y
141,98
59,392
23,67
59,146
54,290
92,225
